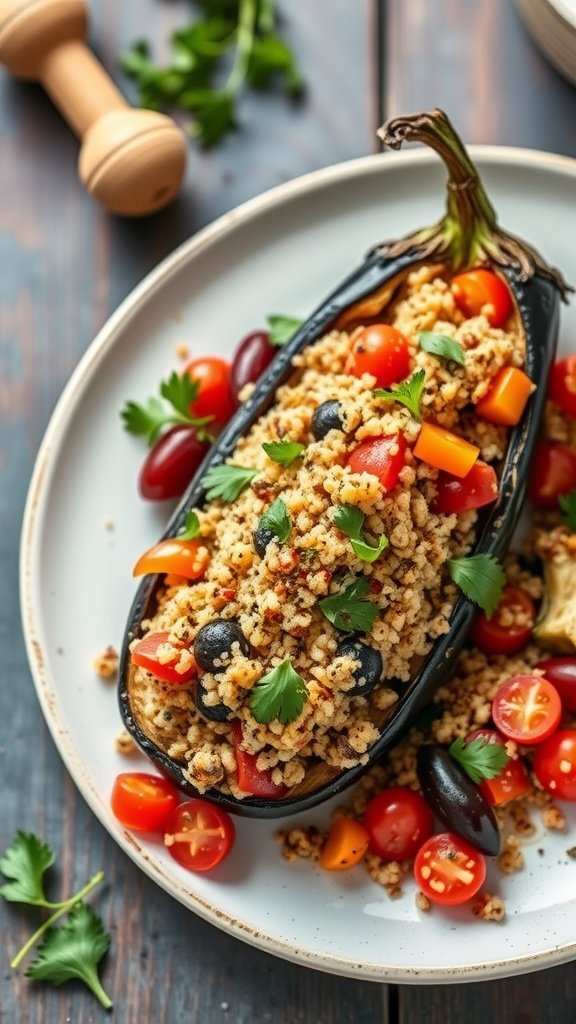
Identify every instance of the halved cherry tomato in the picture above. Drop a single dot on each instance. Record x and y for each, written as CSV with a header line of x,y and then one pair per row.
x,y
448,870
199,835
512,782
445,450
506,398
346,844
382,351
171,464
145,654
383,457
398,821
188,558
249,778
563,385
553,473
555,764
456,494
561,672
502,633
141,801
526,709
214,398
482,291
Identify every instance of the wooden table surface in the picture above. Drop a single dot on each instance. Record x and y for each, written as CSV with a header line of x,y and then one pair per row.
x,y
64,266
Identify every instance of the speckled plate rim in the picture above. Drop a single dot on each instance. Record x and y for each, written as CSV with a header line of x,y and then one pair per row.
x,y
46,460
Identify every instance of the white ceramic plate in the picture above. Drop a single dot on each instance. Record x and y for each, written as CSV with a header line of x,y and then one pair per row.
x,y
279,253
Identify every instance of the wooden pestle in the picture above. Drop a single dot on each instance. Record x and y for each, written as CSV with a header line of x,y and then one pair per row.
x,y
132,161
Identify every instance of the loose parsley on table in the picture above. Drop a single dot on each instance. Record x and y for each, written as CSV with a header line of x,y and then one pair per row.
x,y
280,694
479,758
149,419
348,610
227,481
408,392
350,520
480,577
284,452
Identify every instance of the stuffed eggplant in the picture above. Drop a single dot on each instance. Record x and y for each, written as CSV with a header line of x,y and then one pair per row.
x,y
370,480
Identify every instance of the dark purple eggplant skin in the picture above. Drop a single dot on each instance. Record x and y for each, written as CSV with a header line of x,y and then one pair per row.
x,y
538,302
456,800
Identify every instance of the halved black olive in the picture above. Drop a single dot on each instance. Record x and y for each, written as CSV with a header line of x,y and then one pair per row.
x,y
369,672
214,643
261,538
326,417
456,800
215,712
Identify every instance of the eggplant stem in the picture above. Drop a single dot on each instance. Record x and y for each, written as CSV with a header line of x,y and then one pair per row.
x,y
468,234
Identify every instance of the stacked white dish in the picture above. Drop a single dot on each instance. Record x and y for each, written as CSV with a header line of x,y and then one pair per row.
x,y
552,23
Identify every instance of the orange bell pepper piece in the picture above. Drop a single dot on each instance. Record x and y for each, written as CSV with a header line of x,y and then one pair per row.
x,y
444,450
506,399
346,844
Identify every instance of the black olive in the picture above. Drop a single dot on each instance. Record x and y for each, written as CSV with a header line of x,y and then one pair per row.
x,y
214,643
456,800
326,417
215,712
261,538
369,672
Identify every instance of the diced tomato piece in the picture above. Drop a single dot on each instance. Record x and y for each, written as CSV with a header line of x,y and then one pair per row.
x,y
482,291
526,709
382,351
509,628
461,494
383,457
448,870
145,654
249,778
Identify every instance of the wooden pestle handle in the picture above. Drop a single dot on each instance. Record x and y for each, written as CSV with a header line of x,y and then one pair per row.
x,y
132,161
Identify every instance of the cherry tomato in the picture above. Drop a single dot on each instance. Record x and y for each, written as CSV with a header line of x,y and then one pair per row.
x,y
384,457
382,351
561,672
187,558
526,709
512,782
145,655
563,385
398,821
553,473
199,835
253,355
214,398
171,463
249,778
460,494
500,634
448,870
141,801
555,764
482,291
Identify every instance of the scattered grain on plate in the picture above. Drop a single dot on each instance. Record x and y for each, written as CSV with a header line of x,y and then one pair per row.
x,y
571,852
553,818
105,664
511,858
422,902
124,744
109,524
488,907
182,350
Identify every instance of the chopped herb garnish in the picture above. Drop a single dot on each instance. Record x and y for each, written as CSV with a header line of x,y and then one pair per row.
x,y
480,578
283,452
348,610
350,520
276,519
441,345
280,694
408,393
148,420
281,329
479,758
227,481
567,503
191,527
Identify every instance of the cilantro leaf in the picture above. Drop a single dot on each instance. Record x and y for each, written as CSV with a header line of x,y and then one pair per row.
x,y
180,389
74,951
567,503
479,758
270,57
350,519
284,452
408,392
149,420
281,329
280,694
213,114
348,610
25,862
277,520
441,345
480,578
191,527
227,481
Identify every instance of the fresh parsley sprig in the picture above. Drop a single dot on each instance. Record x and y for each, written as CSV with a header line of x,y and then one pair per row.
x,y
227,481
480,577
350,520
567,503
281,329
408,392
280,694
441,345
148,420
191,527
277,520
479,758
284,452
348,610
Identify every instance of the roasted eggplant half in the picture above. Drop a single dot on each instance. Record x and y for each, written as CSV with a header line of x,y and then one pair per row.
x,y
467,236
